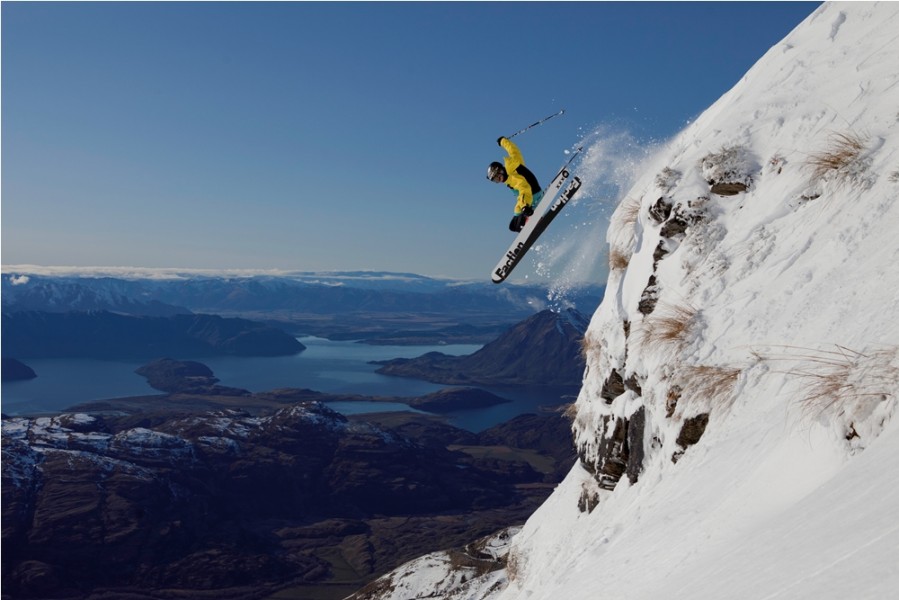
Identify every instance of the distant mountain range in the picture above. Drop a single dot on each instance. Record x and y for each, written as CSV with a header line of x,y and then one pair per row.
x,y
379,307
316,293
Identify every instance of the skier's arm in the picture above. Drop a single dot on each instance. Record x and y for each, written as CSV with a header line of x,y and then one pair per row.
x,y
515,181
513,151
523,202
525,196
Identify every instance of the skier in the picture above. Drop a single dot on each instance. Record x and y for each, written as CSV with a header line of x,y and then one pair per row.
x,y
519,179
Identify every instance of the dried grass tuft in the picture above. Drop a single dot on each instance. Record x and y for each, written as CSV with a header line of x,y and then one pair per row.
x,y
714,384
668,325
667,179
515,565
619,259
589,345
621,233
842,157
832,379
626,213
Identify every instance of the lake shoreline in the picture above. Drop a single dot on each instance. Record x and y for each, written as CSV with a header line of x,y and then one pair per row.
x,y
340,370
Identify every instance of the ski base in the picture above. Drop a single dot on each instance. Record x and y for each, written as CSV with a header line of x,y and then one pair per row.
x,y
533,229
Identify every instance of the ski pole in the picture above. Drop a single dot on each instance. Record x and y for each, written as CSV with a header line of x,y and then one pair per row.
x,y
541,121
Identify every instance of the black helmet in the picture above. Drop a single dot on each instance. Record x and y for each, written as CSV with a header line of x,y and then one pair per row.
x,y
496,172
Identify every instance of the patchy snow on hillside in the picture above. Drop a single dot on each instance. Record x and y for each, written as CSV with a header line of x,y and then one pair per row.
x,y
464,574
736,426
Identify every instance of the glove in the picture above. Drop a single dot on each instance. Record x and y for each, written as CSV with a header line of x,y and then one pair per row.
x,y
517,223
528,210
499,140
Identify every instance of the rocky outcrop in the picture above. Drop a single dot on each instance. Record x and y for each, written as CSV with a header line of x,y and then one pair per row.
x,y
617,444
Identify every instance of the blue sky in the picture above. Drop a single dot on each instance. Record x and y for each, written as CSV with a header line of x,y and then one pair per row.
x,y
329,136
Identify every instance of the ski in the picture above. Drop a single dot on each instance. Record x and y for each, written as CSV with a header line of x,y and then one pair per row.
x,y
545,212
532,231
555,185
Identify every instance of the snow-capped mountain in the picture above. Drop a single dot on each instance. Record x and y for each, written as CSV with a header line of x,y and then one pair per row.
x,y
736,426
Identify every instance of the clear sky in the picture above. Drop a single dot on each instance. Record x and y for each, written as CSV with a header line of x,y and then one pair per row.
x,y
329,136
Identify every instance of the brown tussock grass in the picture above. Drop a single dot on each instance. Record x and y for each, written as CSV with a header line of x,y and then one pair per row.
x,y
845,149
626,213
515,565
621,233
667,325
619,259
832,378
714,384
589,345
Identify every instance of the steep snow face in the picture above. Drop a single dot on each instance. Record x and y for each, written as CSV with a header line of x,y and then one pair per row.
x,y
736,423
736,426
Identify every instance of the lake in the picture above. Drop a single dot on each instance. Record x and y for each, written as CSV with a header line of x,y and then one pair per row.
x,y
325,366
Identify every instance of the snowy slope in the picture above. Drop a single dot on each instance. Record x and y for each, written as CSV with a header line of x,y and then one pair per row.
x,y
736,425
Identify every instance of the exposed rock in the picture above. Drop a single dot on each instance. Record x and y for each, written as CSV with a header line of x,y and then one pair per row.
x,y
690,433
674,394
674,227
612,387
692,430
661,210
675,220
728,188
633,383
613,453
660,252
620,450
650,296
588,500
729,169
636,425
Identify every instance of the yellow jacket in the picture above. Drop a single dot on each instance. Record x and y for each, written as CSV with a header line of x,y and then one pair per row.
x,y
520,177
